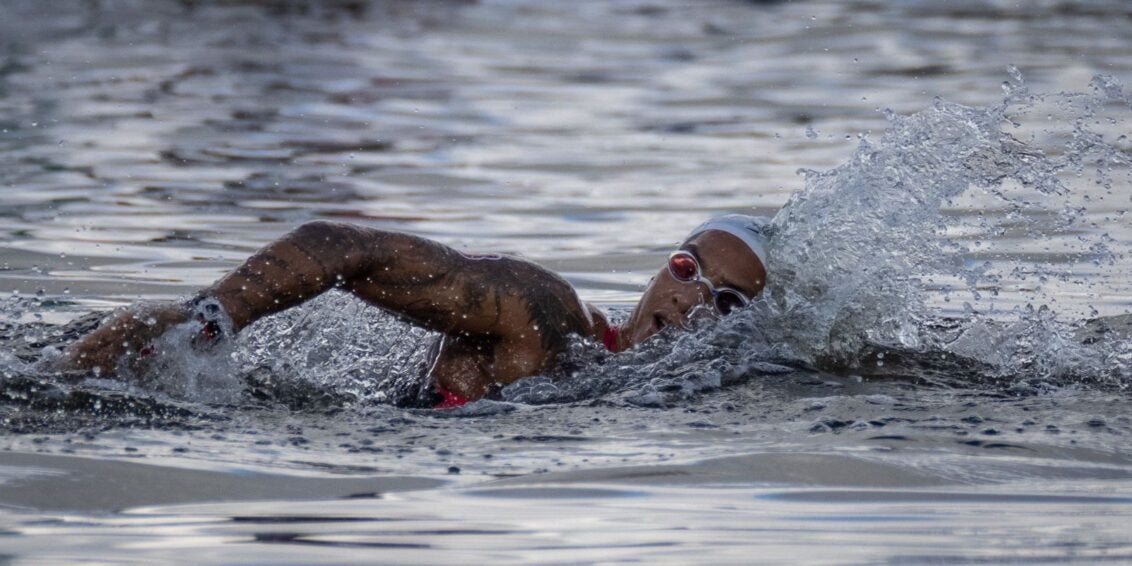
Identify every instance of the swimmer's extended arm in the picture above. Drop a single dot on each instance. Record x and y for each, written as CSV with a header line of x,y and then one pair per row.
x,y
421,280
521,306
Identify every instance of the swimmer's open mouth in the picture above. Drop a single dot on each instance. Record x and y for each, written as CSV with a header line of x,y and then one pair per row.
x,y
658,322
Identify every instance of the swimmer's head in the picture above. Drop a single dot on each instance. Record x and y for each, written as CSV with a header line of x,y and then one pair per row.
x,y
720,267
751,230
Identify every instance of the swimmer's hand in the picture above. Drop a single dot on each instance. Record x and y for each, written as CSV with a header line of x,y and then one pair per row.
x,y
123,334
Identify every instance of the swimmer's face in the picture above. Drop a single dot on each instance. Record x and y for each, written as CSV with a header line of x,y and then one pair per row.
x,y
724,260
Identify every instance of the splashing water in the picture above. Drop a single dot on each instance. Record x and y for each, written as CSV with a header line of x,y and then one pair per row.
x,y
340,344
333,350
864,262
855,255
852,255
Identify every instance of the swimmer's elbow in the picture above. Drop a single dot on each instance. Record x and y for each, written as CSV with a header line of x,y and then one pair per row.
x,y
321,232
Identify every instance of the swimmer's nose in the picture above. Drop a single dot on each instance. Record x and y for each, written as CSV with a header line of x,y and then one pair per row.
x,y
688,297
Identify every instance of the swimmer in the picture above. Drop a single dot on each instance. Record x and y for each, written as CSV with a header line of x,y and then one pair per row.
x,y
500,318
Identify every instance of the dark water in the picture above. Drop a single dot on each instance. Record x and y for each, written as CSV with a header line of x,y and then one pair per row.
x,y
919,384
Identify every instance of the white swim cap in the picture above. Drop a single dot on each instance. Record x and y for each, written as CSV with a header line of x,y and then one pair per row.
x,y
751,230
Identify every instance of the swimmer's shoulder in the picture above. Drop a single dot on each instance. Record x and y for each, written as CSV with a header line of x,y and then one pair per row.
x,y
532,292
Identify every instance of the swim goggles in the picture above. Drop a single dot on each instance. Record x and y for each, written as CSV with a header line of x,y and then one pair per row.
x,y
685,267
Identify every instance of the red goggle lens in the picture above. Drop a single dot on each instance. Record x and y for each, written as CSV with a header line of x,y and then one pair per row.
x,y
683,267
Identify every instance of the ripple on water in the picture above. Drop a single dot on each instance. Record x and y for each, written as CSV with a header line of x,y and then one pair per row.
x,y
925,327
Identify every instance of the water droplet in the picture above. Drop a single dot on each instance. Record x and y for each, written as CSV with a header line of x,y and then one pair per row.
x,y
1015,74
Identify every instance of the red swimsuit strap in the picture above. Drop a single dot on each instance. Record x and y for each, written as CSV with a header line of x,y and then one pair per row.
x,y
611,337
450,400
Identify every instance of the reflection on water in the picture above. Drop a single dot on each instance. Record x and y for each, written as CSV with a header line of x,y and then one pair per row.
x,y
147,147
568,524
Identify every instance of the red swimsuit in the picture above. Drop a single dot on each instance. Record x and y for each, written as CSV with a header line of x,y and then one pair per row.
x,y
451,400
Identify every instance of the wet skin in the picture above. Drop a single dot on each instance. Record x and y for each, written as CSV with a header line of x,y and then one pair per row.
x,y
724,260
502,318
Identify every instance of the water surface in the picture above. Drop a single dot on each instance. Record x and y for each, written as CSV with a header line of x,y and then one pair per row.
x,y
919,386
